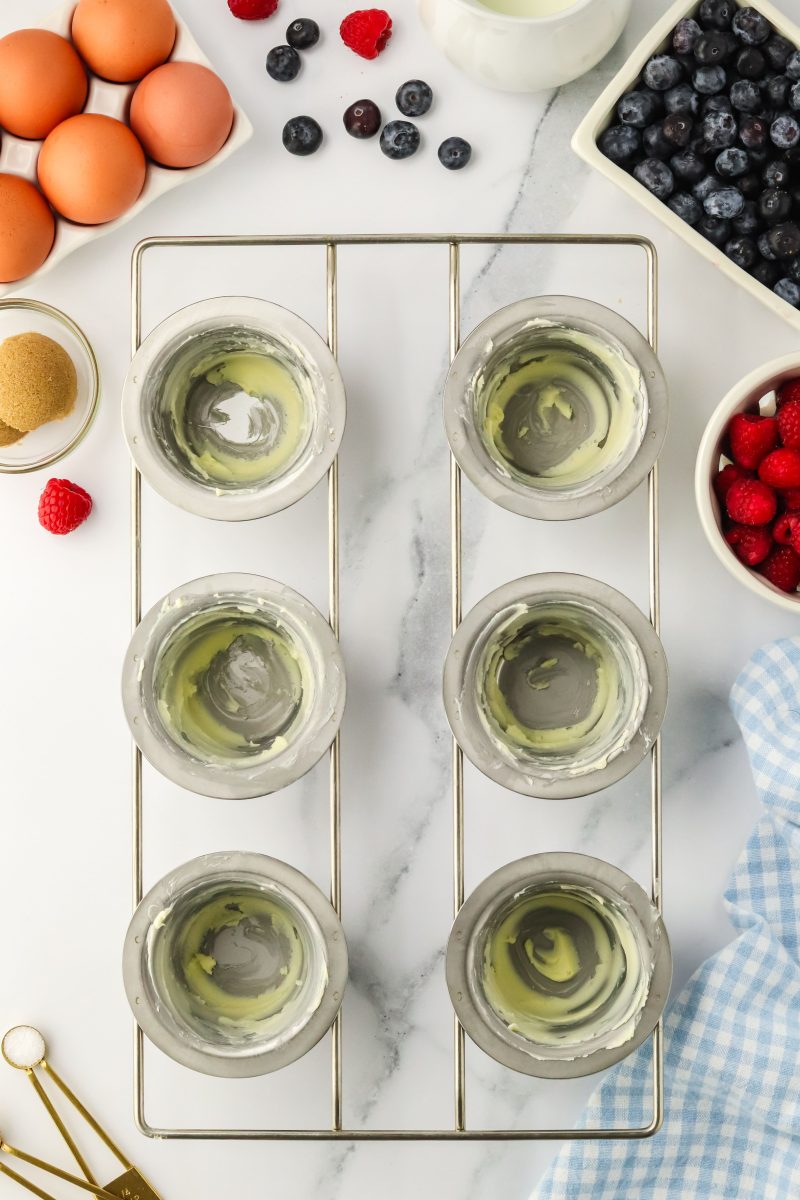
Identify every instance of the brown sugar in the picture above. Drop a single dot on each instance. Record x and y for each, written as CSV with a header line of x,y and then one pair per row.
x,y
8,435
38,382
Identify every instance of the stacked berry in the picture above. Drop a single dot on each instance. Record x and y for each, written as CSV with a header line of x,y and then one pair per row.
x,y
759,490
712,129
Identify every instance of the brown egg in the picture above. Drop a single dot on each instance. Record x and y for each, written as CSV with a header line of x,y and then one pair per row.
x,y
122,40
42,82
27,228
182,114
92,169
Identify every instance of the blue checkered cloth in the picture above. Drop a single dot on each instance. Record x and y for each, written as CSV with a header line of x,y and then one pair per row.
x,y
732,1038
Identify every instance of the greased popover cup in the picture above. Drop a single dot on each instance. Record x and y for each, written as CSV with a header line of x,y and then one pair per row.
x,y
555,686
233,408
555,407
233,686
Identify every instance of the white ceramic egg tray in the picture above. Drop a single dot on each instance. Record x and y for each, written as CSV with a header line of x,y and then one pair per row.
x,y
19,157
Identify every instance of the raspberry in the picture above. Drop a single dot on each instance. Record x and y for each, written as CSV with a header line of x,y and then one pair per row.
x,y
725,478
782,568
367,31
63,506
751,438
788,419
751,545
751,502
786,529
791,499
252,10
781,469
789,391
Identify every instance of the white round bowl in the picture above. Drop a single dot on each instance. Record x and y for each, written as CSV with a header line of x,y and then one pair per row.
x,y
743,397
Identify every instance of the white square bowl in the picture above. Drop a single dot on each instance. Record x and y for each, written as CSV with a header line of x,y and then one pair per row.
x,y
603,112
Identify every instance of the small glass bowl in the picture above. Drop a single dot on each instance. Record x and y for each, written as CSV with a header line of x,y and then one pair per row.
x,y
545,1018
555,407
235,965
56,439
233,686
555,686
233,408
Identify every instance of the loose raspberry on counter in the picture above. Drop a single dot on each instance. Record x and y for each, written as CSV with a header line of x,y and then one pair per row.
x,y
781,469
751,438
788,418
751,544
724,479
751,502
789,391
786,530
782,568
252,10
367,31
63,506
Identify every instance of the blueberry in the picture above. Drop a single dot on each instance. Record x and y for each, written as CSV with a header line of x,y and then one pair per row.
x,y
713,49
794,97
778,51
684,36
748,222
750,63
302,135
303,33
785,132
732,162
363,119
715,229
765,248
682,98
776,173
750,27
414,98
686,207
709,80
656,145
727,202
719,130
705,187
716,14
753,132
399,139
774,205
766,272
454,153
638,108
662,72
677,129
283,64
742,251
759,157
793,66
746,96
688,166
789,291
776,92
656,177
784,240
620,143
792,267
750,184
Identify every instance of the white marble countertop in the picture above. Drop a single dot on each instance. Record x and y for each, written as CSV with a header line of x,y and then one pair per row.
x,y
65,879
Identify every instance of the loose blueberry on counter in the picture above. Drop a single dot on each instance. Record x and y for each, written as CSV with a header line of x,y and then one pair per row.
x,y
283,64
302,136
686,207
656,177
709,80
400,139
789,291
685,35
681,98
662,72
726,202
742,251
414,98
363,119
751,27
785,132
732,162
455,153
303,33
638,108
620,143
